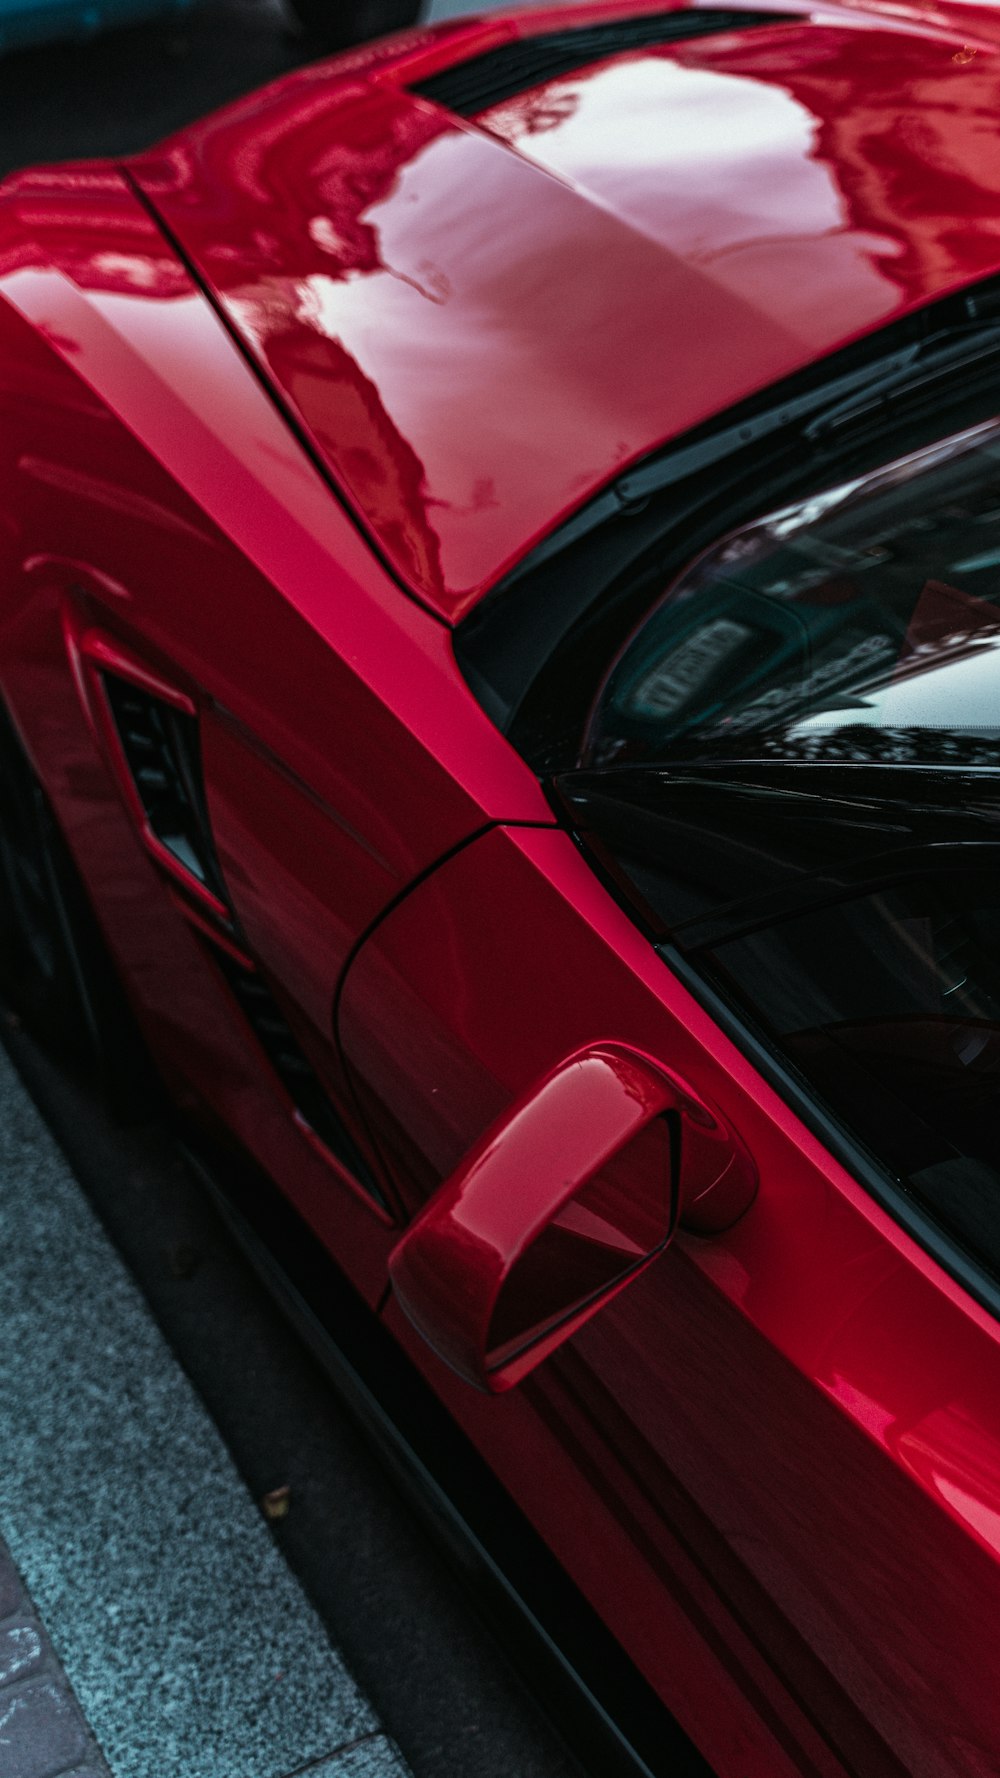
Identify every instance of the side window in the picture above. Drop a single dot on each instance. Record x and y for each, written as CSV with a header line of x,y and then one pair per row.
x,y
793,769
888,1004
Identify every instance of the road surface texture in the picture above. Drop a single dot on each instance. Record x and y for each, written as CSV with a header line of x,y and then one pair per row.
x,y
151,1397
190,1646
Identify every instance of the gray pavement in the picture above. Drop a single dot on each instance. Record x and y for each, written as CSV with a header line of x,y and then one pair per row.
x,y
190,1647
43,1732
391,1599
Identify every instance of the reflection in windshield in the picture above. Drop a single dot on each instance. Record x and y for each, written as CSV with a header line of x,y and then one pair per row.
x,y
860,624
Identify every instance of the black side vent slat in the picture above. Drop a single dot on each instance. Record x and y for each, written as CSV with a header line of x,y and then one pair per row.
x,y
163,754
293,1068
467,88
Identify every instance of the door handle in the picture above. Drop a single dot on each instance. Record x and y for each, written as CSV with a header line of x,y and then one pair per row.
x,y
570,1195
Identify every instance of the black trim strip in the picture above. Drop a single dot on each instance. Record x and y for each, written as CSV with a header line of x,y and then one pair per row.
x,y
293,1068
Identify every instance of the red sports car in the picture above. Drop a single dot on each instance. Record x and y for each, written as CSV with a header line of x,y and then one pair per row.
x,y
499,622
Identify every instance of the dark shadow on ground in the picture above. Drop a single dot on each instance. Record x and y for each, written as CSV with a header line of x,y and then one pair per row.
x,y
122,91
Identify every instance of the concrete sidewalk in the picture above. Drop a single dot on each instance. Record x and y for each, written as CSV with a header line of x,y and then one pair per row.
x,y
149,1626
43,1733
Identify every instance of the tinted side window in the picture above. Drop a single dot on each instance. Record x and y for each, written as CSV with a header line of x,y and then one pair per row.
x,y
889,1005
794,765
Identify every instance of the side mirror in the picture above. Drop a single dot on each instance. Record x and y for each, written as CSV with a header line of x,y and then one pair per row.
x,y
571,1194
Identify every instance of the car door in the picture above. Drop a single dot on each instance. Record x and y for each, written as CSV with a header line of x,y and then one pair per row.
x,y
771,1461
768,1448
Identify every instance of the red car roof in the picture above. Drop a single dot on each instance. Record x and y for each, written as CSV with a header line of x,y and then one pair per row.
x,y
478,322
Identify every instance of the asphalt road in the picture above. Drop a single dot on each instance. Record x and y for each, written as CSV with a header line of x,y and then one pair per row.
x,y
176,1632
405,1626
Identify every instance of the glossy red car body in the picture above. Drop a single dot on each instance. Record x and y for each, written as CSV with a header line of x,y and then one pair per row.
x,y
772,1462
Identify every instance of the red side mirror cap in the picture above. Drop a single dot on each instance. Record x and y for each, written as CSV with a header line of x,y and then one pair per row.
x,y
570,1195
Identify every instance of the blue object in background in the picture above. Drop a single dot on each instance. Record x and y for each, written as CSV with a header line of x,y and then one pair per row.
x,y
25,22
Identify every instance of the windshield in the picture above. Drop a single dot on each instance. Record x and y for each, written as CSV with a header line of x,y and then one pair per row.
x,y
860,624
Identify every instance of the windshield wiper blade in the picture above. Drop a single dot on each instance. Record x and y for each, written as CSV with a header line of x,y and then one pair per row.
x,y
834,406
822,414
676,463
936,360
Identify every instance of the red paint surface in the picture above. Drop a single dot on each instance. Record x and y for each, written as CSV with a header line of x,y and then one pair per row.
x,y
476,339
541,1172
453,1263
773,1461
152,497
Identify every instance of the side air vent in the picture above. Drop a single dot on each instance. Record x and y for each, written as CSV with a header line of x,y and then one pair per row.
x,y
162,752
293,1068
468,88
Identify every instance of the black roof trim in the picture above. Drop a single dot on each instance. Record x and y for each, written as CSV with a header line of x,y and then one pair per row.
x,y
470,87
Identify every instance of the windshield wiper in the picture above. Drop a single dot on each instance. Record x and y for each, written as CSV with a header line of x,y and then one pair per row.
x,y
937,361
868,393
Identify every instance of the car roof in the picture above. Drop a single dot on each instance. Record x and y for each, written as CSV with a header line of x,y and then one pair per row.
x,y
477,320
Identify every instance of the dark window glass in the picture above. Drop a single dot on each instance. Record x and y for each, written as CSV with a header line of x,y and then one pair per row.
x,y
863,623
795,765
889,1005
